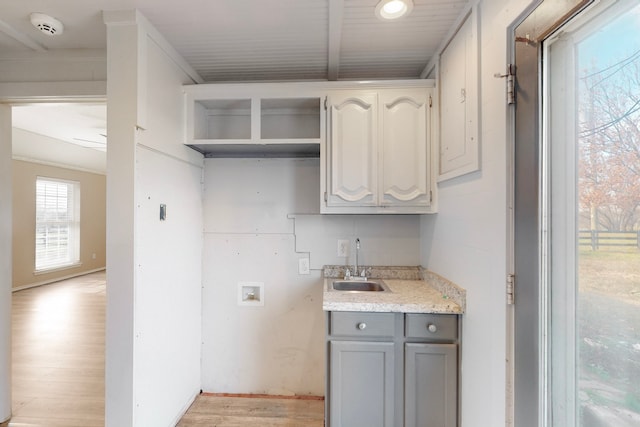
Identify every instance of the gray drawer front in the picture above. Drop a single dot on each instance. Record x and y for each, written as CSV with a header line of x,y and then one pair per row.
x,y
354,324
432,326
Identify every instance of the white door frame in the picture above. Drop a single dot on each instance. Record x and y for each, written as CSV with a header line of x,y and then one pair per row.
x,y
526,329
11,95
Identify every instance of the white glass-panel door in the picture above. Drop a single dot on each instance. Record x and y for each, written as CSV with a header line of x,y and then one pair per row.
x,y
590,218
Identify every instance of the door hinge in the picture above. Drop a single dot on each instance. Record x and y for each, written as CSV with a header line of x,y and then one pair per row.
x,y
510,75
430,196
326,102
325,196
430,101
511,284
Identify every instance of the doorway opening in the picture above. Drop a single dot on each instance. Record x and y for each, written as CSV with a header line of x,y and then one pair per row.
x,y
576,225
591,199
58,329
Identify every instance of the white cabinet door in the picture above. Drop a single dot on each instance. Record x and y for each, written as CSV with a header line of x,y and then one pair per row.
x,y
459,138
405,159
378,153
352,149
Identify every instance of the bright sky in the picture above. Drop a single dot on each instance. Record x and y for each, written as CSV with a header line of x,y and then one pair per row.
x,y
616,41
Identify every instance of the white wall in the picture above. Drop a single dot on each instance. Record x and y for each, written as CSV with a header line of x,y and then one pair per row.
x,y
61,65
467,240
168,288
5,262
168,253
153,266
57,74
250,237
276,348
386,240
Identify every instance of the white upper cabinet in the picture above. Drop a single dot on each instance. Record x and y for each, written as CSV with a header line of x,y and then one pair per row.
x,y
378,155
373,138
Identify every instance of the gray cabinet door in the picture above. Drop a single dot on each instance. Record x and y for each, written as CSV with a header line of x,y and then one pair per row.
x,y
361,384
431,385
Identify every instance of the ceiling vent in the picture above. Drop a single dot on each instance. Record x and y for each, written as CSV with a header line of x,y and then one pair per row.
x,y
47,24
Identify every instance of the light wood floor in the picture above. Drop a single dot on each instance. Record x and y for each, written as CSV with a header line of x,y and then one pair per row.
x,y
216,411
58,354
58,367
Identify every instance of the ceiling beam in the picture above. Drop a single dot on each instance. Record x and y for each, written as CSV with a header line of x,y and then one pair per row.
x,y
336,15
22,38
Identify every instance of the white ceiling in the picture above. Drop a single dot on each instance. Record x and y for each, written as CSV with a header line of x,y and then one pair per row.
x,y
80,124
235,40
247,40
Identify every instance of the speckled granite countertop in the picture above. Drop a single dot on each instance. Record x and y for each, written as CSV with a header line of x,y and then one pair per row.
x,y
413,290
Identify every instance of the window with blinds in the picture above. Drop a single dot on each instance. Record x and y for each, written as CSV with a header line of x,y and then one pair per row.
x,y
57,223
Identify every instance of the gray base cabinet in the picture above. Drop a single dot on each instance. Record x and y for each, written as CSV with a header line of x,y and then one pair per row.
x,y
362,383
391,370
430,388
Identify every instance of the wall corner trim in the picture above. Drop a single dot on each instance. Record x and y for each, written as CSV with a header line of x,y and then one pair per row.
x,y
134,17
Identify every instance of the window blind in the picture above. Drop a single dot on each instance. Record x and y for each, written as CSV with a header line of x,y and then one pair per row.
x,y
57,223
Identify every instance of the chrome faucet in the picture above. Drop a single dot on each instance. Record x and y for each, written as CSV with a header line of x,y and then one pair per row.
x,y
357,275
355,268
362,274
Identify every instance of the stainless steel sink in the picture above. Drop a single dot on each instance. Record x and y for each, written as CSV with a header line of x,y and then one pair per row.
x,y
359,285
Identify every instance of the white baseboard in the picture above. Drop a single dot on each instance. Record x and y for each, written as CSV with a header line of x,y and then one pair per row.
x,y
57,279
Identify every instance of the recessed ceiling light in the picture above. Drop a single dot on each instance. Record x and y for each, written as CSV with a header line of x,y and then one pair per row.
x,y
393,9
47,24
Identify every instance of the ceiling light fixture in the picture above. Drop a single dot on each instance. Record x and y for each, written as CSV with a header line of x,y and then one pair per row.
x,y
393,9
47,24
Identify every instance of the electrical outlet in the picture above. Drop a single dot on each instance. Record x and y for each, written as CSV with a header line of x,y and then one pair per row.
x,y
343,248
303,266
